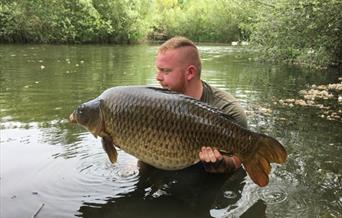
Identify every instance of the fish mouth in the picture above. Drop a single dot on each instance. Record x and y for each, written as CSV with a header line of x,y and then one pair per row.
x,y
72,118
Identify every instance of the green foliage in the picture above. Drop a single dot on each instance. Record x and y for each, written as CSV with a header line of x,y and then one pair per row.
x,y
11,20
128,19
76,21
200,20
306,31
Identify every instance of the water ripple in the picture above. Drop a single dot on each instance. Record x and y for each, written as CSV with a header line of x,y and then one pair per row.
x,y
229,194
272,195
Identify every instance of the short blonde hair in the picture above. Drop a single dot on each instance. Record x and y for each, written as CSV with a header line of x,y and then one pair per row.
x,y
181,42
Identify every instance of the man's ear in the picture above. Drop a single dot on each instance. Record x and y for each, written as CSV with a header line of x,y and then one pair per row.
x,y
191,72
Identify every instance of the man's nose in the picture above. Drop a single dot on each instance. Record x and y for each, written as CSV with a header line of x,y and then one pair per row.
x,y
159,76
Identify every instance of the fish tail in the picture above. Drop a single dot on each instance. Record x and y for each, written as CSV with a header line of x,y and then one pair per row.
x,y
268,150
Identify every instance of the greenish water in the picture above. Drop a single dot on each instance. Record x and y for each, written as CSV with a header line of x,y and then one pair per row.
x,y
49,164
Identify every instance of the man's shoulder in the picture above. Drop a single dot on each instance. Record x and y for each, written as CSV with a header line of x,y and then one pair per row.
x,y
226,102
222,95
216,95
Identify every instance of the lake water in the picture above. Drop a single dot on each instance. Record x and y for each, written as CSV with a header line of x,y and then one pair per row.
x,y
50,168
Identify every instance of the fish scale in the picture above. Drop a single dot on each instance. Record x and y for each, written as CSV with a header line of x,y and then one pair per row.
x,y
167,130
159,123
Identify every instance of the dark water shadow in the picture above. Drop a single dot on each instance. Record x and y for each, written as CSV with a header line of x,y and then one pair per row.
x,y
185,193
257,210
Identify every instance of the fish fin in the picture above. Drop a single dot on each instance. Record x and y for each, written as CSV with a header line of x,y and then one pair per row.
x,y
108,146
268,150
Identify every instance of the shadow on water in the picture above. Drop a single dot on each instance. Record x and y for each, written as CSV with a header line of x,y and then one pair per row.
x,y
185,193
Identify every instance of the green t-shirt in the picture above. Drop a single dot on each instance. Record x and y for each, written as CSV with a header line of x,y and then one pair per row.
x,y
225,102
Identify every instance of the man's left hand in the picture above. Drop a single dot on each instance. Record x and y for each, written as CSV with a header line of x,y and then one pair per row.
x,y
215,162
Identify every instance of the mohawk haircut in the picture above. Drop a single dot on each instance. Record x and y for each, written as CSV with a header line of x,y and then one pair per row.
x,y
182,42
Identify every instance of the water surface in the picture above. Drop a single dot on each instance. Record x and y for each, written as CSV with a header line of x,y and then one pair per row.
x,y
48,164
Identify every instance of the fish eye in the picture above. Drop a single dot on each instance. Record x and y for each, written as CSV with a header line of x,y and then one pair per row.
x,y
81,109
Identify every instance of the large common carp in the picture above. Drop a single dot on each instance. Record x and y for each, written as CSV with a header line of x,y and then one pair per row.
x,y
167,130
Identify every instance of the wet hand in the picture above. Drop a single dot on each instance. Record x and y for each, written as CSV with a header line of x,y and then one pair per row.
x,y
214,162
210,155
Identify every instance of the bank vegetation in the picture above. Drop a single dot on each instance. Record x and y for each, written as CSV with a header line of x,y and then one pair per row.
x,y
302,31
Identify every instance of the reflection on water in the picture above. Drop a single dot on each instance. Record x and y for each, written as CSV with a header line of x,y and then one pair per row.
x,y
45,160
185,193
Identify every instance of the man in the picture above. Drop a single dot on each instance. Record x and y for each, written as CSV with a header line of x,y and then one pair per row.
x,y
179,69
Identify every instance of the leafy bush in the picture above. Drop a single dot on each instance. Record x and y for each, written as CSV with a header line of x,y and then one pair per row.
x,y
76,21
200,20
306,31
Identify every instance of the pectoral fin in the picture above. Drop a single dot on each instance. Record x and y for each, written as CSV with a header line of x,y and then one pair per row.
x,y
108,146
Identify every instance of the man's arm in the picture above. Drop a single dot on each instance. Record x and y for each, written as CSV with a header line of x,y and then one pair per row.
x,y
213,161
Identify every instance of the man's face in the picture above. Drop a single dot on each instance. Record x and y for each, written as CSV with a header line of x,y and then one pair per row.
x,y
171,70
